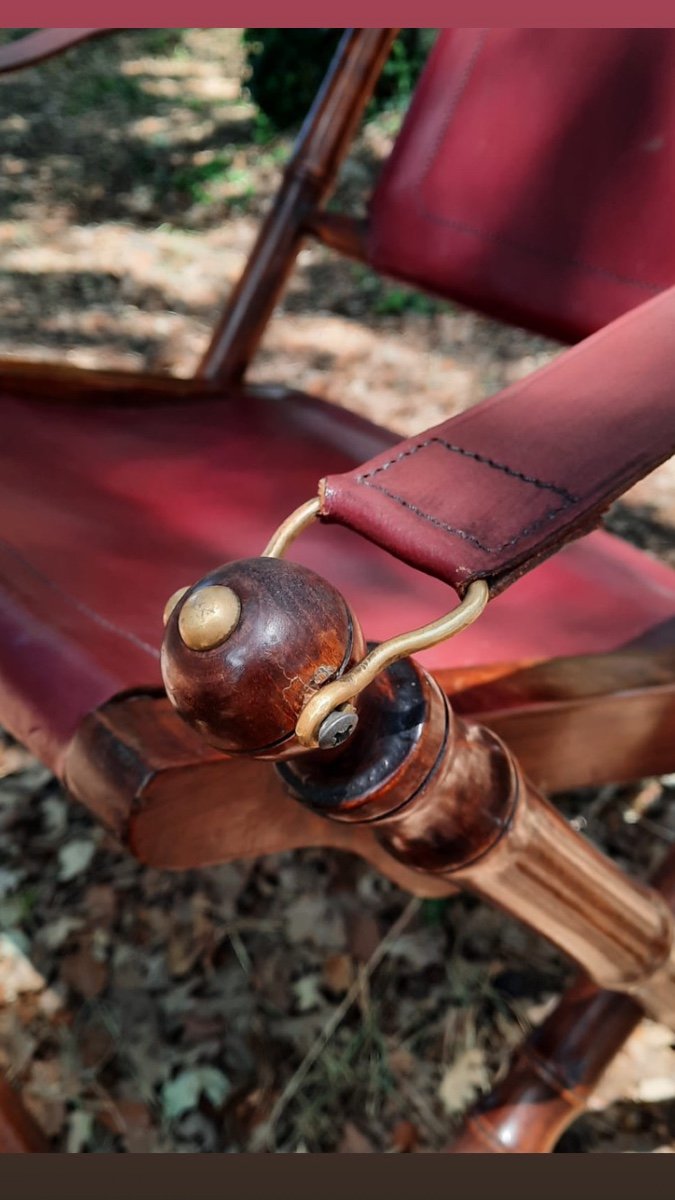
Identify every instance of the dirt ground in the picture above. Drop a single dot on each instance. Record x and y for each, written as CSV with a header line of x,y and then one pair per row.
x,y
142,1010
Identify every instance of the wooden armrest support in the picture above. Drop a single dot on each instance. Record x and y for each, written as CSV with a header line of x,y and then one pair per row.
x,y
42,44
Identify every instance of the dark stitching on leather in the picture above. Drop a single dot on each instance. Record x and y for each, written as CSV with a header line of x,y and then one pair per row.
x,y
486,235
567,497
463,533
480,458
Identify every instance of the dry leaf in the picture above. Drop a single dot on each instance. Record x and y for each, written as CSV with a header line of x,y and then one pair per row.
x,y
363,935
405,1137
44,1095
643,1070
316,920
74,858
17,973
401,1061
354,1142
337,973
463,1080
80,1125
181,1095
420,948
307,994
84,973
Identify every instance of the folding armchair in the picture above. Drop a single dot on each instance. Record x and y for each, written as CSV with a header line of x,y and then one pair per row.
x,y
531,180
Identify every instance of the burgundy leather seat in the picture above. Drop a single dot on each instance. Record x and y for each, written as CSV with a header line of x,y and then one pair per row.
x,y
534,177
106,509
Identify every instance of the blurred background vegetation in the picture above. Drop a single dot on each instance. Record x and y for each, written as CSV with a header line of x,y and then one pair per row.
x,y
286,66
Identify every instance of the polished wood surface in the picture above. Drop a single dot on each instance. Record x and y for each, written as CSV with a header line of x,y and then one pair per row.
x,y
556,1069
175,802
308,180
42,44
57,382
294,634
480,824
346,235
577,722
19,1133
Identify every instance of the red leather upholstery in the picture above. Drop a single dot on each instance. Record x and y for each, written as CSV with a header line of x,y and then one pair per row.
x,y
491,492
534,177
105,510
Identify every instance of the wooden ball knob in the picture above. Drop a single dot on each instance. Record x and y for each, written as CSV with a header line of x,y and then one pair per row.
x,y
246,647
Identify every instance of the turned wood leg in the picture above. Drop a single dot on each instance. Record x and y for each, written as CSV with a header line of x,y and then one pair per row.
x,y
19,1133
556,1069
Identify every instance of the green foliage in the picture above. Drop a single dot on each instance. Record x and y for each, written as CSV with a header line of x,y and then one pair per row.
x,y
286,66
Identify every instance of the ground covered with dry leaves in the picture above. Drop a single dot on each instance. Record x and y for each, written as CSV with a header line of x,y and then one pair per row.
x,y
300,1002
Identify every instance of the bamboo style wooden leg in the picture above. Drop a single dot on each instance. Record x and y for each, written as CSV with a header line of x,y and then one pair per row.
x,y
556,1069
476,822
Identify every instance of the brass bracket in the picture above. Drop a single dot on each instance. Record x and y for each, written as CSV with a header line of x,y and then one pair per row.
x,y
340,692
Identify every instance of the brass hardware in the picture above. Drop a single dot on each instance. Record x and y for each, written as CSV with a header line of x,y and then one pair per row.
x,y
332,695
171,603
291,527
209,616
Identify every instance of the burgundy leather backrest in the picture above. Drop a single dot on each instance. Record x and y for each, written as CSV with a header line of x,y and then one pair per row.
x,y
534,177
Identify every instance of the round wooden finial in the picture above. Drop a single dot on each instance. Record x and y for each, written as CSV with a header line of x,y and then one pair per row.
x,y
247,646
209,616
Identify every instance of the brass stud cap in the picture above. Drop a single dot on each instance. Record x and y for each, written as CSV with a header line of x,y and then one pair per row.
x,y
209,616
172,602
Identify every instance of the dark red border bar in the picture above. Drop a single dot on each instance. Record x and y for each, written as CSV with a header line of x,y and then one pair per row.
x,y
374,13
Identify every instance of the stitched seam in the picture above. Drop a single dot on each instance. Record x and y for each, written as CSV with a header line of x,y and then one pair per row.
x,y
78,605
568,499
464,533
480,458
522,247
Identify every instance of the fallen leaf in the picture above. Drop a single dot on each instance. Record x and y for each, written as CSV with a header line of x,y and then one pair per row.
x,y
181,1095
74,858
80,1124
363,935
182,953
463,1080
100,902
44,1095
420,948
354,1142
314,919
643,1070
132,1121
84,973
55,933
405,1137
401,1061
17,973
337,974
307,994
9,881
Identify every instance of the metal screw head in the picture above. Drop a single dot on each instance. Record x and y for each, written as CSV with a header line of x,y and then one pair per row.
x,y
209,616
336,728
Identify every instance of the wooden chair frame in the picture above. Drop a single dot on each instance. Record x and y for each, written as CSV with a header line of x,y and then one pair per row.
x,y
130,761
